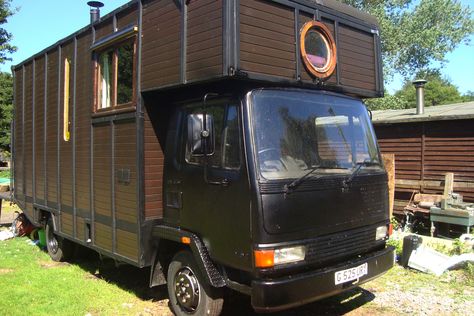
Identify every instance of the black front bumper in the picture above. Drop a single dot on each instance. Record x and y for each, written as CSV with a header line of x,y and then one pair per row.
x,y
295,290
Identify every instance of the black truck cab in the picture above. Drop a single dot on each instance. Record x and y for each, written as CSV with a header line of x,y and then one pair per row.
x,y
284,187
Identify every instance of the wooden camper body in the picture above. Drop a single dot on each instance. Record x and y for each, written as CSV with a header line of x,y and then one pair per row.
x,y
106,181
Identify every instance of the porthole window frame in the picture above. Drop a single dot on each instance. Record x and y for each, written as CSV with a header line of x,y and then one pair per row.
x,y
328,69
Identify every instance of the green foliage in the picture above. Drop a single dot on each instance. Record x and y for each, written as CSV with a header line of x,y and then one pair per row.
x,y
6,109
416,33
460,247
5,174
5,47
387,102
438,90
397,243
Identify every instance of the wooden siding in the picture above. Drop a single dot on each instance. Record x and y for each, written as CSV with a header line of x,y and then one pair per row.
x,y
66,223
82,125
39,129
104,28
268,43
127,17
18,135
204,44
267,38
154,163
28,135
65,147
102,160
161,48
103,236
425,152
125,160
356,54
52,129
127,244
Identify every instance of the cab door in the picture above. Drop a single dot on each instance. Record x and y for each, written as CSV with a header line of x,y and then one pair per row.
x,y
214,188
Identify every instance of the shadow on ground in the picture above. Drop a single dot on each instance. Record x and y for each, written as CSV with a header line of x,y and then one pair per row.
x,y
136,280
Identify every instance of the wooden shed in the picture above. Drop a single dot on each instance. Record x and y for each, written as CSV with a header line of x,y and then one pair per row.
x,y
426,147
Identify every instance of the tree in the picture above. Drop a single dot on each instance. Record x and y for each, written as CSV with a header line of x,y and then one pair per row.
x,y
417,34
438,90
6,109
5,47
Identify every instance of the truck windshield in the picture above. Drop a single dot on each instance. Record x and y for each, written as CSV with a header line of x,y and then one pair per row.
x,y
297,131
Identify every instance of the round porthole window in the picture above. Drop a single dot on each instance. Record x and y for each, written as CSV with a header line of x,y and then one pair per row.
x,y
318,49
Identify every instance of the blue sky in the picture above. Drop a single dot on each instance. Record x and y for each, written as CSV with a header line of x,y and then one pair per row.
x,y
40,23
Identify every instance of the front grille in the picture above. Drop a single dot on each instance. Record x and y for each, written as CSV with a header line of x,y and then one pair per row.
x,y
343,245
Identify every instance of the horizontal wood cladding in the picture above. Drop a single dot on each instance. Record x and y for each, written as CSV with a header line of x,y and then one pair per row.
x,y
103,236
127,17
66,147
18,145
267,38
204,39
82,124
356,58
104,28
39,128
161,48
425,152
127,244
102,161
66,224
52,127
28,130
154,163
125,164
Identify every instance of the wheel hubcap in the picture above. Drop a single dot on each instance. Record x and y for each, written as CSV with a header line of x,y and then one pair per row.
x,y
52,242
187,289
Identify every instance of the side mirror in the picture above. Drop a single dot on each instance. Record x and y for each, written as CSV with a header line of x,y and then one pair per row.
x,y
200,134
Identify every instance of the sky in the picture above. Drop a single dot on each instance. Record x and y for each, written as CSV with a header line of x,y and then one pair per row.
x,y
41,23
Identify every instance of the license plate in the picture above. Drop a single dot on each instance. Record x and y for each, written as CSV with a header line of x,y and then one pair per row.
x,y
351,274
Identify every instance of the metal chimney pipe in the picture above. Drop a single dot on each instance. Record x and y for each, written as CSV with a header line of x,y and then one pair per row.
x,y
95,10
420,95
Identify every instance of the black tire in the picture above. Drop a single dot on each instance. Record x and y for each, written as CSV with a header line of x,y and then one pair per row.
x,y
59,249
189,292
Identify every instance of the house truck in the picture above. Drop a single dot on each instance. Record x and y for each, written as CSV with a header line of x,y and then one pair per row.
x,y
221,144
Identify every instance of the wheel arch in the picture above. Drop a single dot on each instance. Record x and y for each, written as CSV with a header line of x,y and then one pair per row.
x,y
169,241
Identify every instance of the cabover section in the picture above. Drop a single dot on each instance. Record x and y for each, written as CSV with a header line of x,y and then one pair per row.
x,y
78,138
187,42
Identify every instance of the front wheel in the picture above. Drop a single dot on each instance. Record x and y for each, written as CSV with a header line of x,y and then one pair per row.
x,y
59,249
189,292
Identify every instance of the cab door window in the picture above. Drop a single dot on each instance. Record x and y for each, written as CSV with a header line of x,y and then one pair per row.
x,y
226,137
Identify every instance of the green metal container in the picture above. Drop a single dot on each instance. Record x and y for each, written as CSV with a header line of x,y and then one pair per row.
x,y
42,237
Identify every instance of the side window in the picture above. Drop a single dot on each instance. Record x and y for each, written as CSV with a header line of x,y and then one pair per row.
x,y
66,95
226,138
114,76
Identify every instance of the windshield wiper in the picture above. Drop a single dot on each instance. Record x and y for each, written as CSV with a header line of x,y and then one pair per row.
x,y
288,188
356,169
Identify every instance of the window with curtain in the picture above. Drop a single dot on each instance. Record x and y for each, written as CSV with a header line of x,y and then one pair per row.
x,y
115,76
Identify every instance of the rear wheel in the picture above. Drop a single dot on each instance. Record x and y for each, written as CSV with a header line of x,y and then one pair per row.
x,y
189,292
59,249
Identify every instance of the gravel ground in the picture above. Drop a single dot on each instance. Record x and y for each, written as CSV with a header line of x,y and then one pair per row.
x,y
399,292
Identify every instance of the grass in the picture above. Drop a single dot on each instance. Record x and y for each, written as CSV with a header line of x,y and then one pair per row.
x,y
32,284
5,173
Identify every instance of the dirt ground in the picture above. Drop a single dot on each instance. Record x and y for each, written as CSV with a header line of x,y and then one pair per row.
x,y
399,292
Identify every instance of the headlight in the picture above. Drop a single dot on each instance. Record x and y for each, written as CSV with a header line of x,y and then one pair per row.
x,y
272,257
381,232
